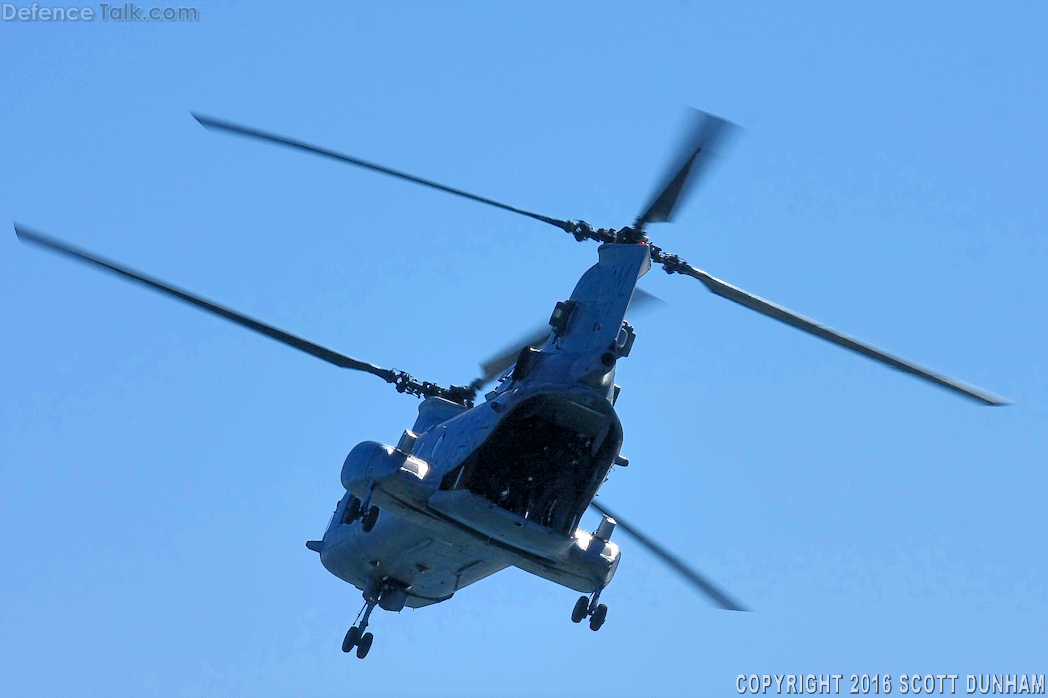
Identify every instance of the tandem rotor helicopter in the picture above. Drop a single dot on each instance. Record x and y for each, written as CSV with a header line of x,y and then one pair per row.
x,y
476,487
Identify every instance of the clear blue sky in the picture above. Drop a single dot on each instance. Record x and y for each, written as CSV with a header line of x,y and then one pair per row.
x,y
160,470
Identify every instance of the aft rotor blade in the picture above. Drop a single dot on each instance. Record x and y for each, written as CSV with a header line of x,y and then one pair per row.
x,y
493,367
36,238
229,127
642,300
718,596
726,290
705,135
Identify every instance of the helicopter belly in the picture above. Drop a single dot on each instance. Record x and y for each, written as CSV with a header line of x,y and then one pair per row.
x,y
431,562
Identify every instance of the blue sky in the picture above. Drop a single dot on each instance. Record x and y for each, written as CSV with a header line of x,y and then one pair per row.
x,y
160,470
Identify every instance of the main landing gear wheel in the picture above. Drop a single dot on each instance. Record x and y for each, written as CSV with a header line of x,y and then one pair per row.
x,y
598,617
364,645
352,512
588,606
581,609
370,519
352,638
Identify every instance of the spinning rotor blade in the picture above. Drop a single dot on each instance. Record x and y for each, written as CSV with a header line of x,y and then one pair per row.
x,y
229,127
641,300
719,597
390,376
493,367
726,290
706,134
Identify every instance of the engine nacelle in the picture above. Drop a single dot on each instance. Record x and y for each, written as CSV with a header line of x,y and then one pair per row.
x,y
361,464
389,469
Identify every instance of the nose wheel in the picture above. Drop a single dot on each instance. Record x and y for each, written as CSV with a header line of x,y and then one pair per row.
x,y
356,636
361,642
588,606
391,595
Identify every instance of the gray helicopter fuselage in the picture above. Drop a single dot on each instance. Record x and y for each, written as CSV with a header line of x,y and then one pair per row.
x,y
471,491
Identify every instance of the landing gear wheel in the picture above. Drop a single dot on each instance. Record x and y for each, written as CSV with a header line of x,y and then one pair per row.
x,y
352,638
364,645
352,512
369,519
580,610
597,619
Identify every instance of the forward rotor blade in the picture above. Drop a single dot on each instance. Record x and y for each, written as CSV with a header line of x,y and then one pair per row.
x,y
781,314
719,597
706,134
36,238
493,367
229,127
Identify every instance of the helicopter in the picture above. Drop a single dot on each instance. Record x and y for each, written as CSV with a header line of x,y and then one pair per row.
x,y
476,486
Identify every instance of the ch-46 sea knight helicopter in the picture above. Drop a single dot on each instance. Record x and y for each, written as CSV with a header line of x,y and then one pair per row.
x,y
472,489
